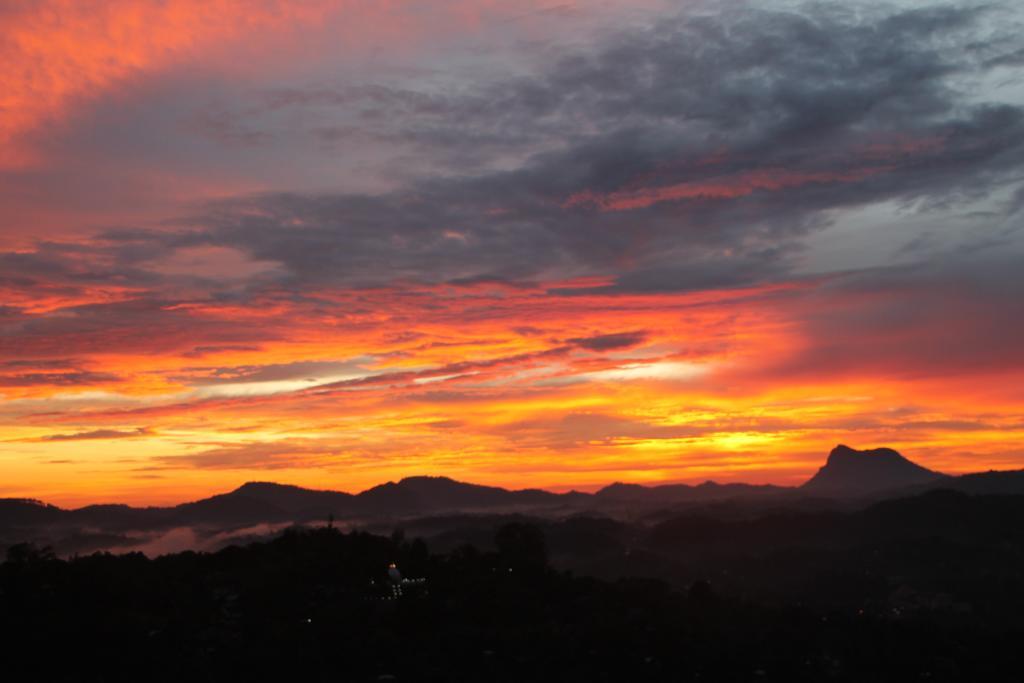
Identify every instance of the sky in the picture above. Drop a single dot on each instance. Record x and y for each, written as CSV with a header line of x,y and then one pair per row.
x,y
528,244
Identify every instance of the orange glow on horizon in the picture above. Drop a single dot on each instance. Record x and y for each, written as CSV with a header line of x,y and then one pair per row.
x,y
516,394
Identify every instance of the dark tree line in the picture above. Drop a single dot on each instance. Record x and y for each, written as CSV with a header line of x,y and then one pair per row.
x,y
317,605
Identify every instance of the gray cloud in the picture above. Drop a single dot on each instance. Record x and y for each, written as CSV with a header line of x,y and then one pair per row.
x,y
309,370
447,371
740,132
202,351
610,342
61,379
954,316
151,325
38,364
98,434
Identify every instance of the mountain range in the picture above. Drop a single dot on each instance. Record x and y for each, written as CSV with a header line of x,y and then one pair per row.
x,y
847,475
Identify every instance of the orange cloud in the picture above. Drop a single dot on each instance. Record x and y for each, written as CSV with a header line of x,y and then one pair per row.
x,y
58,53
724,187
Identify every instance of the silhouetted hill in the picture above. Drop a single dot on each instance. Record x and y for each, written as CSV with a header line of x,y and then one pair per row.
x,y
299,502
684,493
442,493
849,472
118,517
939,551
19,511
412,495
935,515
228,509
848,481
988,483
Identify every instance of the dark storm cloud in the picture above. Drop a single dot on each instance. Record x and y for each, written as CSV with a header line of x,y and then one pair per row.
x,y
693,154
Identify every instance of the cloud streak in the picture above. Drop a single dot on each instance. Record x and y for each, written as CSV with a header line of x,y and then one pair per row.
x,y
103,434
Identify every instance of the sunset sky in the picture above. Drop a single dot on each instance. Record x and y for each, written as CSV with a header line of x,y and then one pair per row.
x,y
552,244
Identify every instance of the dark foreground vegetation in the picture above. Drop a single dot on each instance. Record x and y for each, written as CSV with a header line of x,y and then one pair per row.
x,y
936,597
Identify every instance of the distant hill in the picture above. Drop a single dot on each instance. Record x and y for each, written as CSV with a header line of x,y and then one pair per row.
x,y
988,483
684,493
851,473
412,495
429,494
849,478
25,511
298,502
227,509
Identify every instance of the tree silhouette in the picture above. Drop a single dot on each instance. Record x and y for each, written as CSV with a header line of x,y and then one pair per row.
x,y
521,546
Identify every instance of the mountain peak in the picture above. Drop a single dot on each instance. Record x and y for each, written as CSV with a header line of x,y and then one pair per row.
x,y
259,486
427,480
852,472
843,456
844,451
